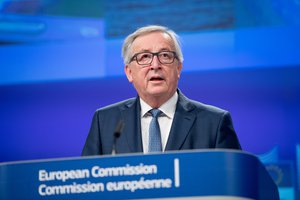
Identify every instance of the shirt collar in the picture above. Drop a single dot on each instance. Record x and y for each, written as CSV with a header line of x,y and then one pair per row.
x,y
168,108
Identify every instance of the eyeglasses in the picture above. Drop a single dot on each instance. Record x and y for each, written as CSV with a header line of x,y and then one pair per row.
x,y
146,58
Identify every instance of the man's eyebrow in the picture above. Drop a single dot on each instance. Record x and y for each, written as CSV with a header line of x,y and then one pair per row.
x,y
165,49
144,50
148,51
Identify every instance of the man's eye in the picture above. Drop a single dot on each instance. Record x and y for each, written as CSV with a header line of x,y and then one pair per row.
x,y
166,55
145,56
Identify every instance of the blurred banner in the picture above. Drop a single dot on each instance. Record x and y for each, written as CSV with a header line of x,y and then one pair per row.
x,y
60,60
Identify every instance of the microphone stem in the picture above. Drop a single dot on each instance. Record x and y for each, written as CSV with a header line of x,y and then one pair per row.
x,y
117,134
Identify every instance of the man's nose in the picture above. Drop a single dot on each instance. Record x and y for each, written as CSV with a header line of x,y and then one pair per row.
x,y
155,62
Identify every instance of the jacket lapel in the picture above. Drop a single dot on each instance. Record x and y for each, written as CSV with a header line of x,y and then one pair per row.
x,y
132,125
183,120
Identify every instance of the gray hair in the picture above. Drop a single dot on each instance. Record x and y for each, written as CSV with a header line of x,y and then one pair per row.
x,y
126,49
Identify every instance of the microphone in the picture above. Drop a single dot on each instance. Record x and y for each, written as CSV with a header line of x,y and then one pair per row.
x,y
117,133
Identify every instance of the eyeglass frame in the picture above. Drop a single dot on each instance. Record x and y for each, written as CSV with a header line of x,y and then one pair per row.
x,y
134,57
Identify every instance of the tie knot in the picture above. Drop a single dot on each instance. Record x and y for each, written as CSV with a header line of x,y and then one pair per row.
x,y
155,112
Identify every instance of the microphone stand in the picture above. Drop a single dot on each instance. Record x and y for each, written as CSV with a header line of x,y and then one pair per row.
x,y
117,134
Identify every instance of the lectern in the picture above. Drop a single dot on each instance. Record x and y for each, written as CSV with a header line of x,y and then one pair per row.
x,y
201,174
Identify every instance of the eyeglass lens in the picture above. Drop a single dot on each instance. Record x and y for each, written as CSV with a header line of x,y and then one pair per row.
x,y
165,57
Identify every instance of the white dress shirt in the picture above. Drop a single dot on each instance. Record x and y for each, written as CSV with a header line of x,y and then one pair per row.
x,y
165,120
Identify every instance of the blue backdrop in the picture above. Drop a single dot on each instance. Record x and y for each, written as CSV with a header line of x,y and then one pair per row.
x,y
61,60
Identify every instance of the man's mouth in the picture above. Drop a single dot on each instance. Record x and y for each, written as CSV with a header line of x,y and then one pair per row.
x,y
156,79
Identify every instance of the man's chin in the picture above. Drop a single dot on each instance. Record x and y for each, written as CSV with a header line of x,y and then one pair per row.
x,y
157,91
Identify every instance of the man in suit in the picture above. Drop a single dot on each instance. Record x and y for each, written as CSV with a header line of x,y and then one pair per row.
x,y
153,62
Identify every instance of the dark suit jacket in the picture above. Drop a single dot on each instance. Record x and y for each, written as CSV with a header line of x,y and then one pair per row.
x,y
195,126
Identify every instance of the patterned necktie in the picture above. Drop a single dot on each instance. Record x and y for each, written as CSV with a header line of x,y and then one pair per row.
x,y
154,132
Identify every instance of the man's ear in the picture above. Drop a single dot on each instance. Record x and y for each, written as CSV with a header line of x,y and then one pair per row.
x,y
179,68
128,73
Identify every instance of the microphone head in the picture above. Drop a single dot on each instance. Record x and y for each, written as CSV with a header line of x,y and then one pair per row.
x,y
117,134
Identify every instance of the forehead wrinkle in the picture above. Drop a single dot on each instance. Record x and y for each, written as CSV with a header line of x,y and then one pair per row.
x,y
148,51
166,44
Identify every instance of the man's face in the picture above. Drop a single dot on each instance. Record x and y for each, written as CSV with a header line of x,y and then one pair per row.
x,y
155,80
